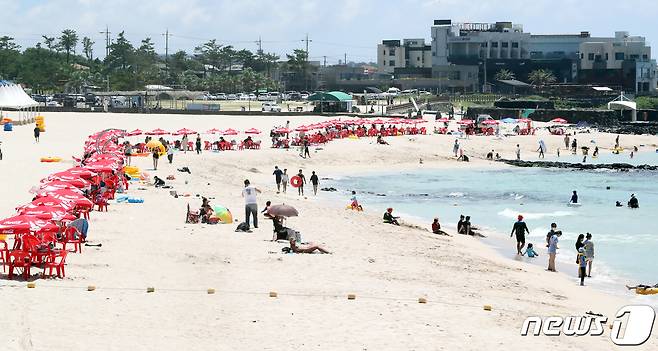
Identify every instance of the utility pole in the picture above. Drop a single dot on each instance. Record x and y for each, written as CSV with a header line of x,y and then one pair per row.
x,y
167,35
325,61
345,59
107,40
259,42
307,40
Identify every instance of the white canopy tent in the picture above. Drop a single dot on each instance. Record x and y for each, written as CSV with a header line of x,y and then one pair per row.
x,y
12,96
622,103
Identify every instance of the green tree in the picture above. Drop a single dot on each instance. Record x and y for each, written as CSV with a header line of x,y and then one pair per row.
x,y
88,48
504,74
10,58
542,77
49,42
68,41
210,53
42,69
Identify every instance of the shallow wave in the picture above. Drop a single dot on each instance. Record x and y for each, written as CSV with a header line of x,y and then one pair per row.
x,y
510,213
456,194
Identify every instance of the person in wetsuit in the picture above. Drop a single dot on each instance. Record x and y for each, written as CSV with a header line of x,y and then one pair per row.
x,y
574,197
633,203
520,229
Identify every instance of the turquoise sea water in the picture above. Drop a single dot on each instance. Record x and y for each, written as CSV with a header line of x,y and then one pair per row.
x,y
626,240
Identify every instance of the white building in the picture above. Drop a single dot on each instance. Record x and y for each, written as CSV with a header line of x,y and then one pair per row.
x,y
410,53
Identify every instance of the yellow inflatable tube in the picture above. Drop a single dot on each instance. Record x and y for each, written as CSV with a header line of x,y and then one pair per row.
x,y
51,159
646,291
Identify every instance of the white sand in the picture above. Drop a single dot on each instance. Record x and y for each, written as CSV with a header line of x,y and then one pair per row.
x,y
387,267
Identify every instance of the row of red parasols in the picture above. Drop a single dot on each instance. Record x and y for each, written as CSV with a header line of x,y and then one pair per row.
x,y
351,122
60,195
186,131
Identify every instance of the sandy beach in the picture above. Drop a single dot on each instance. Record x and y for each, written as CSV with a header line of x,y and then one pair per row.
x,y
387,268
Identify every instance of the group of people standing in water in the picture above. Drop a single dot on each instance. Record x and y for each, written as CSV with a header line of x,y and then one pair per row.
x,y
584,248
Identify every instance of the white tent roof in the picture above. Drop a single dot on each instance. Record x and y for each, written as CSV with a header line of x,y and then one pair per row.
x,y
13,96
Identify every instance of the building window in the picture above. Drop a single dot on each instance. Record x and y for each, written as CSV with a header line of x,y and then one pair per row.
x,y
645,57
635,57
494,44
606,56
590,56
418,58
391,52
505,44
391,63
484,45
515,45
433,54
619,56
384,52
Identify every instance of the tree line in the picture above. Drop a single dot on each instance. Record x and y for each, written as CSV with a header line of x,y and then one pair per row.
x,y
67,63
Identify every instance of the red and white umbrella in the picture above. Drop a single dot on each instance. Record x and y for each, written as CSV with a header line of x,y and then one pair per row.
x,y
252,131
73,180
56,185
184,131
282,130
230,131
53,213
81,172
68,195
22,224
135,132
443,120
490,122
213,131
559,121
302,129
377,121
48,201
158,131
524,120
465,121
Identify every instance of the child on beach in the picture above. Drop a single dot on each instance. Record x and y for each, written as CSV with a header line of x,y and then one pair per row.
x,y
355,203
582,264
530,251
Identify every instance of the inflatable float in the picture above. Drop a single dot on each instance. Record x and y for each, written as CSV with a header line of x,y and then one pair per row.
x,y
571,204
296,181
51,159
646,291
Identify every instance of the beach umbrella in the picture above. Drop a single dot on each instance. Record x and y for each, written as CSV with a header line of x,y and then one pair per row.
x,y
559,121
223,214
443,120
158,131
56,185
377,121
135,132
213,131
48,201
282,210
230,131
68,195
22,224
81,224
252,131
508,120
99,166
48,213
282,131
465,121
75,181
490,122
81,172
302,129
184,131
524,120
154,144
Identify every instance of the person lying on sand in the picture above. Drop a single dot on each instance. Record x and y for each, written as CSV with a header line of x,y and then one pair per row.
x,y
309,248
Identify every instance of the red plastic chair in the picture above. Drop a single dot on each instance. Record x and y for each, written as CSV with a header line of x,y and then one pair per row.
x,y
73,237
19,259
56,261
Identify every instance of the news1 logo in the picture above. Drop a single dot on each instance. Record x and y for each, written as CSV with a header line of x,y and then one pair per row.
x,y
632,326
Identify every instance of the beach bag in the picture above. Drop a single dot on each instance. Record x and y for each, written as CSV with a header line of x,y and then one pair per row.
x,y
242,227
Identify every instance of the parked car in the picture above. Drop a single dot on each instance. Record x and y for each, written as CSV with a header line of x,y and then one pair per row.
x,y
231,97
252,97
271,107
53,103
220,96
243,97
263,97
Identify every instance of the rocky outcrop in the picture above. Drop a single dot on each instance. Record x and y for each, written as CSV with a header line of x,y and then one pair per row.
x,y
580,166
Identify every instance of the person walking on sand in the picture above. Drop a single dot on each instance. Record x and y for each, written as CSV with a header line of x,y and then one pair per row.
x,y
198,144
589,253
552,250
170,153
300,190
566,141
574,146
542,148
277,177
284,180
617,142
581,259
455,148
520,229
37,133
315,181
518,152
183,143
156,157
307,152
250,202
